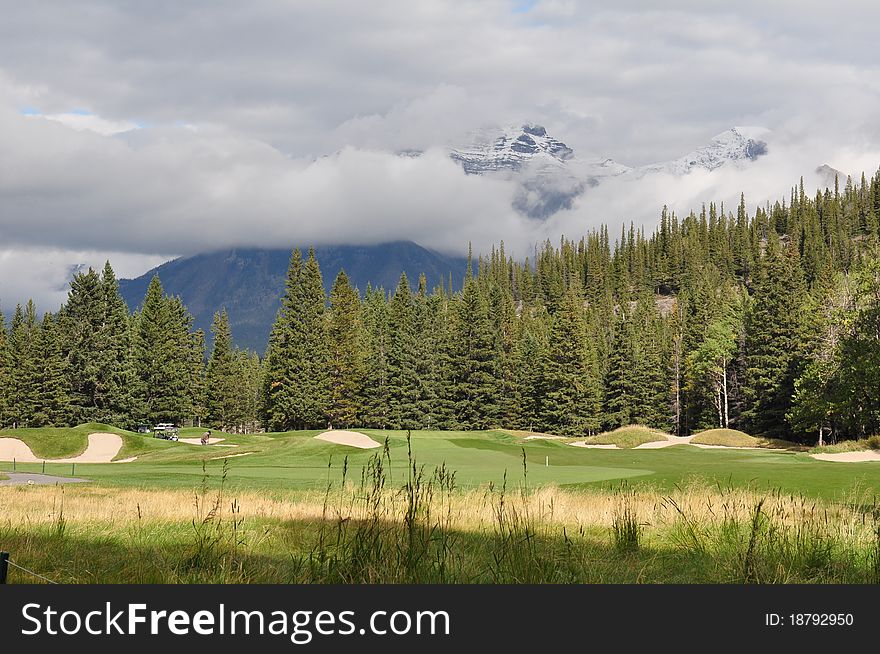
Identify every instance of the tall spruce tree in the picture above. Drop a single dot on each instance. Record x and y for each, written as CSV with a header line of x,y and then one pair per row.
x,y
82,326
530,357
24,388
95,342
403,384
345,347
5,374
250,375
160,359
570,381
53,401
773,340
650,377
374,393
474,385
619,384
112,401
297,382
198,385
222,378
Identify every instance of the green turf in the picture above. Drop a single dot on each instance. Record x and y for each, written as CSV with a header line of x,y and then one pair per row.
x,y
294,460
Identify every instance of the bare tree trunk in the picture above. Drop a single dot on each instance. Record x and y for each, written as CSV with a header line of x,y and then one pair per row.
x,y
726,420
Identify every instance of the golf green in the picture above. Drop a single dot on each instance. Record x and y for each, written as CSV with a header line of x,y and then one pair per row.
x,y
296,460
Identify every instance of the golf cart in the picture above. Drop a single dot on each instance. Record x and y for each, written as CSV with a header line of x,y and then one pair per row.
x,y
167,431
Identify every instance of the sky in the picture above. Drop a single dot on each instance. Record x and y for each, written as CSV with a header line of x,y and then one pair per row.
x,y
140,131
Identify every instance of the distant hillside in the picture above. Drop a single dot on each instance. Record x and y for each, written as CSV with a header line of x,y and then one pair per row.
x,y
250,282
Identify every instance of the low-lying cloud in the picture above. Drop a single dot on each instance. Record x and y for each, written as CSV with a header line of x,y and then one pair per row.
x,y
143,131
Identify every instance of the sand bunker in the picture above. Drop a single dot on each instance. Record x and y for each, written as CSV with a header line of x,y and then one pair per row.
x,y
850,457
681,440
543,437
101,449
669,442
350,438
198,441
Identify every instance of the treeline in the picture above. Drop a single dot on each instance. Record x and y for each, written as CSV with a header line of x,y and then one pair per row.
x,y
769,323
94,362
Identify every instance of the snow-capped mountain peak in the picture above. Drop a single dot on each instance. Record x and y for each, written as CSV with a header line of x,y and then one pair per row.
x,y
511,150
737,145
550,176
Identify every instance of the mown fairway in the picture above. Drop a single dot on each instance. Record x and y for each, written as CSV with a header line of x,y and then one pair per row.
x,y
282,514
296,461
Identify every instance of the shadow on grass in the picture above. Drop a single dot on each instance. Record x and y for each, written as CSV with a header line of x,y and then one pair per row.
x,y
367,551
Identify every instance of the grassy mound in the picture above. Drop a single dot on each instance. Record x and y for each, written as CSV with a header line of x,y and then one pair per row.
x,y
627,437
727,438
736,438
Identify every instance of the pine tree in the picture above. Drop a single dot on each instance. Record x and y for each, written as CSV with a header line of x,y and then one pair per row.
x,y
429,386
5,374
95,342
24,395
179,373
437,401
403,388
82,326
773,340
53,401
570,383
250,377
504,327
112,401
619,384
198,384
222,378
160,362
649,392
345,344
530,357
297,382
374,393
474,376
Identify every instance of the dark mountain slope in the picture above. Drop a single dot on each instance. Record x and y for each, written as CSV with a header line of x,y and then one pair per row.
x,y
250,282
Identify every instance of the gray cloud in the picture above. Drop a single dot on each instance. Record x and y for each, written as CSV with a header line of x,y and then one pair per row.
x,y
267,123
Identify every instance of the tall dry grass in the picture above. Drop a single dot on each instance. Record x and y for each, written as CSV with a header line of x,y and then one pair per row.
x,y
425,530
